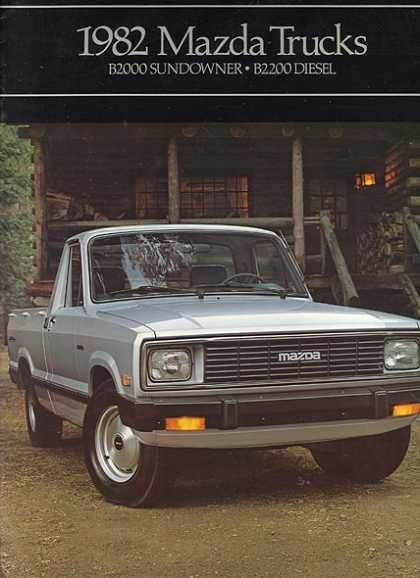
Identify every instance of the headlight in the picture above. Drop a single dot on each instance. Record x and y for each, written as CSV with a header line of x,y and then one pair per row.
x,y
402,354
170,365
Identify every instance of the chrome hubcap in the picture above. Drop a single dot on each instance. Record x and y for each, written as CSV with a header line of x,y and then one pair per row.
x,y
117,447
31,412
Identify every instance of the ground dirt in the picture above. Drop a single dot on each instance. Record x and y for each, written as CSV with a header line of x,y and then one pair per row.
x,y
236,514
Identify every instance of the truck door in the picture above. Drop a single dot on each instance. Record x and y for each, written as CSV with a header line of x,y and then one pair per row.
x,y
60,328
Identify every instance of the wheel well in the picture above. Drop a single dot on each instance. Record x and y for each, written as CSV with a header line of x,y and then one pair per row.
x,y
98,375
24,373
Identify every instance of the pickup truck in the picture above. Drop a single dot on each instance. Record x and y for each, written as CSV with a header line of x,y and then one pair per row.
x,y
205,336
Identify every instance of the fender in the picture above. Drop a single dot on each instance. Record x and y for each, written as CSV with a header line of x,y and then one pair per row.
x,y
106,361
23,353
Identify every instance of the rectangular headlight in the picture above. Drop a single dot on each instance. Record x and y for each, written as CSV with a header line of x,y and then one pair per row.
x,y
169,365
402,354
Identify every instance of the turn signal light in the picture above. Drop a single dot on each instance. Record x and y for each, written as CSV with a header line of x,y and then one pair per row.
x,y
406,409
185,423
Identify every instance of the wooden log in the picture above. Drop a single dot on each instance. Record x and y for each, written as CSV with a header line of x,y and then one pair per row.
x,y
313,259
312,220
40,206
323,248
395,155
298,209
398,163
414,201
85,225
173,182
414,163
413,183
381,281
267,222
411,292
317,281
40,288
350,295
412,228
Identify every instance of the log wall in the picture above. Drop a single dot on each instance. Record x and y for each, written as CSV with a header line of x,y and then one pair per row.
x,y
402,174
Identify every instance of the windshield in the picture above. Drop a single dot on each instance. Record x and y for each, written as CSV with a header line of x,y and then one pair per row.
x,y
131,265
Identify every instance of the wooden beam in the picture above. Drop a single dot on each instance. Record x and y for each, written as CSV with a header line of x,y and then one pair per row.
x,y
85,225
297,193
413,183
323,249
411,292
375,282
414,201
412,227
350,295
414,163
267,222
173,182
40,209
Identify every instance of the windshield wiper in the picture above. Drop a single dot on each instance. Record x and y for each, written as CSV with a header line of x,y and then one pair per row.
x,y
145,289
280,291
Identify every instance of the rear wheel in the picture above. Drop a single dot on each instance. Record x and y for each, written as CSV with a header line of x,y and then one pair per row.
x,y
44,428
364,459
123,469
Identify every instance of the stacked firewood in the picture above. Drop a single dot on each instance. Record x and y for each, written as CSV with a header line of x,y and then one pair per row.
x,y
64,207
380,245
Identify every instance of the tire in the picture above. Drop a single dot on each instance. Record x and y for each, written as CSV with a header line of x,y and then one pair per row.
x,y
44,428
365,459
124,470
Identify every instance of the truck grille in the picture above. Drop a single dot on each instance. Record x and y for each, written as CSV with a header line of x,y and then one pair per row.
x,y
294,358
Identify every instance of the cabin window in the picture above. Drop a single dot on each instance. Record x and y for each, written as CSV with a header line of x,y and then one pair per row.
x,y
364,180
201,197
214,196
151,197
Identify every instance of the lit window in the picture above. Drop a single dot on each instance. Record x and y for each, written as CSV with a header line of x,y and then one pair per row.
x,y
365,180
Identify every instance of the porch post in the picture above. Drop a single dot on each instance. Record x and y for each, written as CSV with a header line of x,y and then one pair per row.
x,y
173,182
298,212
40,204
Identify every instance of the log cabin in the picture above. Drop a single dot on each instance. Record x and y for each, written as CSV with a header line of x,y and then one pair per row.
x,y
346,196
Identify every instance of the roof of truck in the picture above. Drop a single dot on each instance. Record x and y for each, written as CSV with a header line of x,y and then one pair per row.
x,y
87,235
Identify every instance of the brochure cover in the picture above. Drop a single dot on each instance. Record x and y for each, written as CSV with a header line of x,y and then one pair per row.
x,y
209,289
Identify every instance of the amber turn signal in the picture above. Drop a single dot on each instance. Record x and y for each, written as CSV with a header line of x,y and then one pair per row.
x,y
185,423
406,409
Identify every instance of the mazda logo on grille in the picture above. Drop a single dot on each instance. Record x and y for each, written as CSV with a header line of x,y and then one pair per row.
x,y
300,356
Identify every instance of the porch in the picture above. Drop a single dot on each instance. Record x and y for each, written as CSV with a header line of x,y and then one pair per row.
x,y
347,197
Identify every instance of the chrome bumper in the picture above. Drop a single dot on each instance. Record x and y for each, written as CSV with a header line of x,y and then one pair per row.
x,y
273,436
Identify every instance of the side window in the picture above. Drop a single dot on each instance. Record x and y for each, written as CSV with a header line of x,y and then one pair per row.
x,y
74,294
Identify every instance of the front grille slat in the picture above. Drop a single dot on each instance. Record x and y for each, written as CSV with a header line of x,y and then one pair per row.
x,y
259,358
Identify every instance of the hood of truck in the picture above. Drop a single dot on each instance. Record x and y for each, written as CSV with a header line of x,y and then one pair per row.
x,y
238,314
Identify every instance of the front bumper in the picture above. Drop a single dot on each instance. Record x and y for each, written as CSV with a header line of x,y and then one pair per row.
x,y
284,418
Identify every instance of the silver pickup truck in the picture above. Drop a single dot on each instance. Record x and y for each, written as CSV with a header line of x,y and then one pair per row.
x,y
180,336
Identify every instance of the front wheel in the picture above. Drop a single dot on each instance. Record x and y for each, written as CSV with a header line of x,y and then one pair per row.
x,y
364,459
123,469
